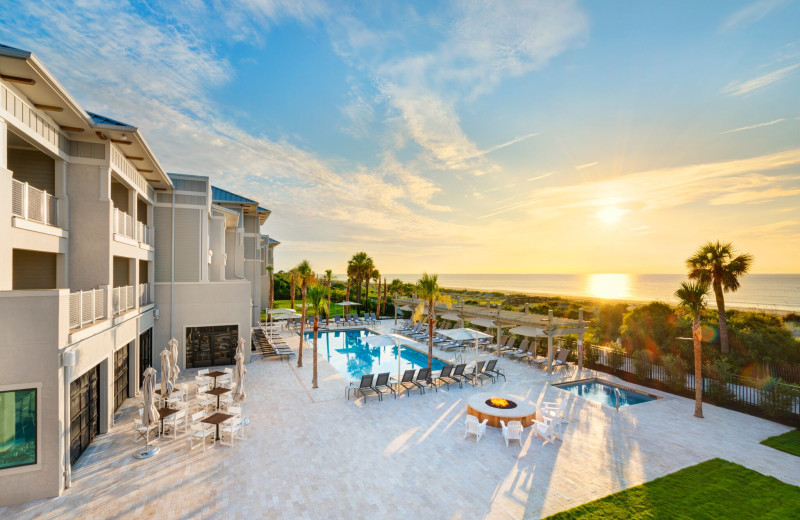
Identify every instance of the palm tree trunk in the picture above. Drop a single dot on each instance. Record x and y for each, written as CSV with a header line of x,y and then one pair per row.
x,y
358,284
292,288
698,368
724,346
385,298
328,314
366,304
378,306
347,298
271,290
314,362
302,329
431,319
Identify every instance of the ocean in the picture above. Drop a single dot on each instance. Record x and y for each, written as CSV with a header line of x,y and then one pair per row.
x,y
767,292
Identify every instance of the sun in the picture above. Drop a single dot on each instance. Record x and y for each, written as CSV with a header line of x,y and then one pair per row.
x,y
610,214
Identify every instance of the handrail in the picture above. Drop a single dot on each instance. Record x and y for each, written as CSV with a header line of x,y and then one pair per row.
x,y
86,307
16,107
34,204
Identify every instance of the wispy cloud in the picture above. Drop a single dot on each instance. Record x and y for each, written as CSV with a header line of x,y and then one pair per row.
x,y
739,88
754,196
751,127
751,13
543,176
587,165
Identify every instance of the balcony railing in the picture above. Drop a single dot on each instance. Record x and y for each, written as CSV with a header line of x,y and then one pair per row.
x,y
16,107
144,234
122,299
145,294
124,224
33,204
86,307
129,171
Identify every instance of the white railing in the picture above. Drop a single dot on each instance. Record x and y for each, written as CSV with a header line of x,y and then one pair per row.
x,y
144,233
86,307
124,224
145,294
129,171
33,204
122,299
27,116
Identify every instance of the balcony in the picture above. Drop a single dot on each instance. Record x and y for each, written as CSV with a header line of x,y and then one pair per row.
x,y
126,226
122,299
32,204
86,307
145,294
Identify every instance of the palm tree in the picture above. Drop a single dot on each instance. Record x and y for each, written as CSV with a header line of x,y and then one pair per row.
x,y
366,274
270,271
347,297
356,268
376,277
714,265
385,295
692,298
429,291
329,281
318,296
294,281
306,278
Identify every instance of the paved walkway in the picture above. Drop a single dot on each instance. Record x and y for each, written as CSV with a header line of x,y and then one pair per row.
x,y
312,454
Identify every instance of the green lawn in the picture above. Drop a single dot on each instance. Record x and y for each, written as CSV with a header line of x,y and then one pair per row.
x,y
715,489
788,442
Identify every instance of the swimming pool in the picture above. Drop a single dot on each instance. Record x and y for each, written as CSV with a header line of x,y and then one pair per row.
x,y
603,393
347,351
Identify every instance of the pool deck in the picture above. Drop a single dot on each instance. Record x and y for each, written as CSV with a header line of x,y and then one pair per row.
x,y
312,454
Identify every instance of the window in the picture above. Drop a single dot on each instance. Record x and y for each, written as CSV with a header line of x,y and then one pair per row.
x,y
17,428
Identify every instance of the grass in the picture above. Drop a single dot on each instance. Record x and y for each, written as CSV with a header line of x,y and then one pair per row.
x,y
715,489
285,304
788,442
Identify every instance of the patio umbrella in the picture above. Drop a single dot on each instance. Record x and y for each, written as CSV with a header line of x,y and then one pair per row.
x,y
175,370
347,303
149,413
166,367
467,334
385,340
238,378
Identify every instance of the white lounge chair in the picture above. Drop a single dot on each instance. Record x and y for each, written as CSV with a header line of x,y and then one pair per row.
x,y
546,429
512,432
473,427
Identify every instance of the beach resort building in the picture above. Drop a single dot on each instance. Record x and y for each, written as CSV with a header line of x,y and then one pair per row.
x,y
103,258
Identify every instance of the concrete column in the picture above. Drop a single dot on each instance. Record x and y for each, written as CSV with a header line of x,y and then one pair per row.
x,y
6,253
3,144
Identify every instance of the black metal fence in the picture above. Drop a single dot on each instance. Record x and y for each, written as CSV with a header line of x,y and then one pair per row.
x,y
747,392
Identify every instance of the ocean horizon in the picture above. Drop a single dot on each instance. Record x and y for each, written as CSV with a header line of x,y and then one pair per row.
x,y
765,292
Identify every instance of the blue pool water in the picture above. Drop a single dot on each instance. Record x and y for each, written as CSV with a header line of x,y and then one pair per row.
x,y
347,351
603,393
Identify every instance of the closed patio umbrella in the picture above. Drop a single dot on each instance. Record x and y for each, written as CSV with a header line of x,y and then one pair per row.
x,y
166,368
238,378
174,369
149,413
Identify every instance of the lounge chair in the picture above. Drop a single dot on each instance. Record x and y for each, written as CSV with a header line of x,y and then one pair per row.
x,y
382,383
407,382
446,377
541,361
512,432
546,429
423,379
491,369
474,376
366,388
458,373
561,359
522,351
473,427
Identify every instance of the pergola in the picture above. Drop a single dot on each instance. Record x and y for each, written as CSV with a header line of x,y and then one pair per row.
x,y
550,326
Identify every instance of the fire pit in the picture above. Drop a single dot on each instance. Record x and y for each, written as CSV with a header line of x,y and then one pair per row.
x,y
496,408
499,402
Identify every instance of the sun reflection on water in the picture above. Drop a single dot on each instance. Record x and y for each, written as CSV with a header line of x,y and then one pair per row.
x,y
609,286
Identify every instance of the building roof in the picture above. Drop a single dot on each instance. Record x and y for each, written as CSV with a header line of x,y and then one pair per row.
x,y
220,195
272,241
104,120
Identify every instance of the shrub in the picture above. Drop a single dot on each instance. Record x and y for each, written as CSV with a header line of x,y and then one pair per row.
x,y
642,361
675,369
616,358
777,397
590,356
719,372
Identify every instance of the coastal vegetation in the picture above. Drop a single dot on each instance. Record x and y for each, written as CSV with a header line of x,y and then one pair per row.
x,y
318,298
431,294
714,489
304,277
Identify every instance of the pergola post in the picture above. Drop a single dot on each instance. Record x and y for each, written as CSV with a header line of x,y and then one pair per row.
x,y
550,342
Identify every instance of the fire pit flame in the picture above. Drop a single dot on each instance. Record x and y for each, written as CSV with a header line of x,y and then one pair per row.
x,y
499,402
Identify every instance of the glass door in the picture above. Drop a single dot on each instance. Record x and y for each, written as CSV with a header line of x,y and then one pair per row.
x,y
84,412
120,376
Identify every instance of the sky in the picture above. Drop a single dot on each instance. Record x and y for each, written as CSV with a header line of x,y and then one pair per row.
x,y
460,137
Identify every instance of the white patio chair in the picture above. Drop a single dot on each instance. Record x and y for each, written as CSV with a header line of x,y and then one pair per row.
x,y
512,432
140,431
231,429
176,422
226,380
557,411
226,401
200,431
204,400
546,429
473,427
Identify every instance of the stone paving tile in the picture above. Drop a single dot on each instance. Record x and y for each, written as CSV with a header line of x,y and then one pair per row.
x,y
309,453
